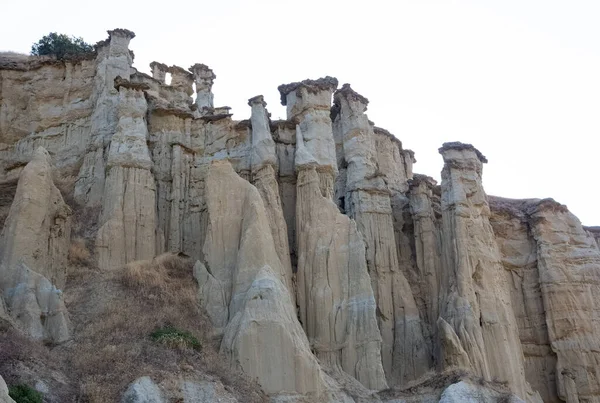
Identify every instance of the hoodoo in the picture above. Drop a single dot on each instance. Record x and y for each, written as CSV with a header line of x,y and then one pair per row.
x,y
298,260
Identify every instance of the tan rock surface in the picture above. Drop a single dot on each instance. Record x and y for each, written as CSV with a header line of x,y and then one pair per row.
x,y
427,238
519,256
509,293
308,104
263,165
128,221
262,334
337,306
568,263
33,253
367,199
475,298
113,60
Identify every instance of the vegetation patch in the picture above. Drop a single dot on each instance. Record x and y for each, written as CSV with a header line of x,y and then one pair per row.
x,y
22,393
61,46
175,338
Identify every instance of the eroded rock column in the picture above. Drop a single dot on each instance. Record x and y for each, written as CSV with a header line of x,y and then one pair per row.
x,y
309,104
204,78
427,242
182,80
337,306
474,292
159,71
263,160
114,60
128,219
404,351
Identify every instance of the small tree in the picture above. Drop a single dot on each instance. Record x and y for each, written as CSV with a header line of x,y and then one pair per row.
x,y
61,46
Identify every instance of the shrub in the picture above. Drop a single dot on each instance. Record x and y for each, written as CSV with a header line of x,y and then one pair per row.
x,y
24,394
174,337
61,46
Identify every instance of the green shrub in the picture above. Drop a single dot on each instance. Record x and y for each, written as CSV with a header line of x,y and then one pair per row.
x,y
61,46
174,337
24,394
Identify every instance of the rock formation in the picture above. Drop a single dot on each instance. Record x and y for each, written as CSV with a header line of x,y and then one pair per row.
x,y
263,166
367,200
328,269
33,253
554,263
128,219
308,105
475,300
337,306
261,333
4,397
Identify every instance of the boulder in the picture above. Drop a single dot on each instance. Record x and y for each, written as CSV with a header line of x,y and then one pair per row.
x,y
143,390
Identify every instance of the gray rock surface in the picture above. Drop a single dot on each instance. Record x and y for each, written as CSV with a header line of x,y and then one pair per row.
x,y
4,397
143,390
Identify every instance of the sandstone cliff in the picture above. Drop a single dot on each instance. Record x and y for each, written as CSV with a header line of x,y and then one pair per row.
x,y
304,251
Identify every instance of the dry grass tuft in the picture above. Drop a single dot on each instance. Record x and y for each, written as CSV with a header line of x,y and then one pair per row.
x,y
79,252
14,56
66,185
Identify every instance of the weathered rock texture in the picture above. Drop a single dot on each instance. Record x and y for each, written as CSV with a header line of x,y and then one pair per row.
x,y
367,200
128,220
326,266
261,332
337,306
33,253
555,264
475,299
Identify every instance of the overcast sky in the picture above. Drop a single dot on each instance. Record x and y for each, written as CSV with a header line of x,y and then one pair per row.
x,y
519,79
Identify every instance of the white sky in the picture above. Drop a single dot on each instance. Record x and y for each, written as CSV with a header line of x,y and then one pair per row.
x,y
519,79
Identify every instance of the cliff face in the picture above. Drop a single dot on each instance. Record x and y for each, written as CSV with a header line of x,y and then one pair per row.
x,y
328,270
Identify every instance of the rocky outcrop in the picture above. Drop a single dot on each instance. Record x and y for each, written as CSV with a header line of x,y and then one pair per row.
x,y
518,250
143,390
425,214
367,200
128,221
204,79
337,306
262,334
33,253
467,392
568,263
205,392
328,268
594,232
113,60
474,298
